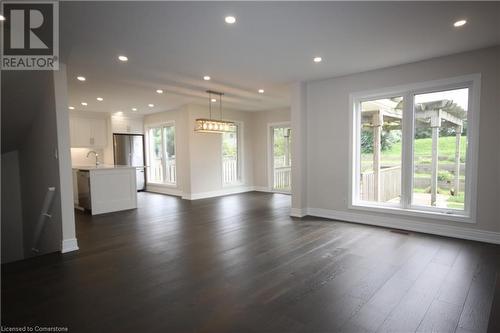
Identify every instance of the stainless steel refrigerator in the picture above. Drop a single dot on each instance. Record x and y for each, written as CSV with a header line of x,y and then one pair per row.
x,y
129,150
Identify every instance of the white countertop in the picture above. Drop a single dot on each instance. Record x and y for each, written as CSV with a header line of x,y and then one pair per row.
x,y
104,166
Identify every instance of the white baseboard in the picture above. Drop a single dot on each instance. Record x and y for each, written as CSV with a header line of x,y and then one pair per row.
x,y
218,193
164,190
298,212
69,245
262,189
408,224
205,195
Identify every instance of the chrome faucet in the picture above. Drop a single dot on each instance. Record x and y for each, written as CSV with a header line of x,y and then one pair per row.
x,y
96,156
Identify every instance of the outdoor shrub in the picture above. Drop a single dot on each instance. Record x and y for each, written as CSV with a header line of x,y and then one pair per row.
x,y
444,176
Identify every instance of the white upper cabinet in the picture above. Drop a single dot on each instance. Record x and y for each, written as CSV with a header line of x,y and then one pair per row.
x,y
88,132
98,132
127,125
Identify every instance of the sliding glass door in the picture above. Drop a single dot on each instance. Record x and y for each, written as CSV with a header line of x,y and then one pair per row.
x,y
161,155
281,163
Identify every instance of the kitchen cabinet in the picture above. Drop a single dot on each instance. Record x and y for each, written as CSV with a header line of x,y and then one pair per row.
x,y
106,188
127,125
88,132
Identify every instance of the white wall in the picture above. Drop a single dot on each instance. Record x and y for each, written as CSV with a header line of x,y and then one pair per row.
x,y
39,170
69,242
206,152
328,137
260,138
12,215
199,155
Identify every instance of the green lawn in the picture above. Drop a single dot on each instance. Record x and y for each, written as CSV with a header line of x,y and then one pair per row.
x,y
423,149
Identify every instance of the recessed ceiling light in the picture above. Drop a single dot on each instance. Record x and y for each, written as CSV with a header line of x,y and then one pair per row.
x,y
84,103
213,100
100,99
317,59
2,18
206,78
230,19
71,107
459,23
134,109
159,91
122,58
119,113
261,91
151,105
81,78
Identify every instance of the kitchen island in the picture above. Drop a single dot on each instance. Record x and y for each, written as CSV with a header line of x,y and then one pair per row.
x,y
105,188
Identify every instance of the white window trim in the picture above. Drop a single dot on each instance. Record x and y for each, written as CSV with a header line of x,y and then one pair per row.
x,y
240,165
473,82
270,157
156,125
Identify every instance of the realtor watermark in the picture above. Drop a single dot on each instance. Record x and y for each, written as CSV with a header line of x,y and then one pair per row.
x,y
34,329
30,35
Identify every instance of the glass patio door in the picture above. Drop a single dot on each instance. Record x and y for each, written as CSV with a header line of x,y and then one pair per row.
x,y
281,159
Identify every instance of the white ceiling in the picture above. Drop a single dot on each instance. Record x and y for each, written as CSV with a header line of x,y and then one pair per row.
x,y
172,45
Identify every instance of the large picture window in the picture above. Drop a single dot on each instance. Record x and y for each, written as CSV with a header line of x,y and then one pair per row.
x,y
161,155
412,149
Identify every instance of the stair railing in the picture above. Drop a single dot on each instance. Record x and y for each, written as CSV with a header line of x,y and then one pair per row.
x,y
44,215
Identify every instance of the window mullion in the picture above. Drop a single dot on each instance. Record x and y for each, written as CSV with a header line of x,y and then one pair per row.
x,y
407,150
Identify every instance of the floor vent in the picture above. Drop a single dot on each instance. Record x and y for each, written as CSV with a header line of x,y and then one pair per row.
x,y
398,231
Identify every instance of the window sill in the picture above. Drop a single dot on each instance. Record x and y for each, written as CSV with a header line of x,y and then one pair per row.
x,y
413,212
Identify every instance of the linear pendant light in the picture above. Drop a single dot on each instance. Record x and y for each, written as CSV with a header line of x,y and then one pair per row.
x,y
210,125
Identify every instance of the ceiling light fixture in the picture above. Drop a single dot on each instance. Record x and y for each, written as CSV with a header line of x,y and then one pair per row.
x,y
230,19
214,125
213,100
151,105
122,58
459,23
71,107
134,109
84,103
2,18
159,91
206,78
81,78
318,59
261,91
100,99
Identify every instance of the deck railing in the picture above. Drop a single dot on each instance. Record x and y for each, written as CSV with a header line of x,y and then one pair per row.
x,y
282,178
156,171
230,170
171,172
390,184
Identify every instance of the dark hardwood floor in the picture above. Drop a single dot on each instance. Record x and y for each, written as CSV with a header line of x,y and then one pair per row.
x,y
241,264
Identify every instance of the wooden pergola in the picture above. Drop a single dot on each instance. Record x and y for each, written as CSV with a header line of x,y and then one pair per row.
x,y
387,113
